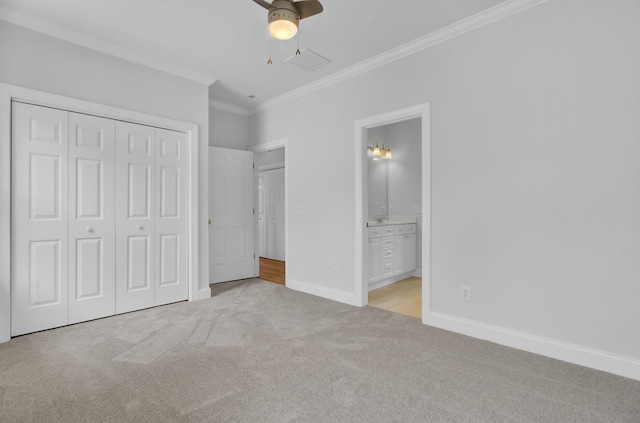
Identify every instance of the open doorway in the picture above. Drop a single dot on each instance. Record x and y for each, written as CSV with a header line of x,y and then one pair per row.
x,y
271,218
394,226
392,211
271,210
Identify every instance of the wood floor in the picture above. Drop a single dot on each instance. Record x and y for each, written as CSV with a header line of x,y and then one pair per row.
x,y
272,270
404,297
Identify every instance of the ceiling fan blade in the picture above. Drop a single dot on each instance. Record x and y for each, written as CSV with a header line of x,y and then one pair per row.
x,y
307,8
264,4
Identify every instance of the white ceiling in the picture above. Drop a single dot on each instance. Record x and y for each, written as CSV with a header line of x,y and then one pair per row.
x,y
225,43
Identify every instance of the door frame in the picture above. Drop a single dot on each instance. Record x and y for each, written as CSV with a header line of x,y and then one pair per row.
x,y
8,93
261,148
422,111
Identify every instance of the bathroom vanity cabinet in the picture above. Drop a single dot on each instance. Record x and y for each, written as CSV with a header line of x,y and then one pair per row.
x,y
392,253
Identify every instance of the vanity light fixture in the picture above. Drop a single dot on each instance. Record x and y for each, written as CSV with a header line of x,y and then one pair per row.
x,y
378,152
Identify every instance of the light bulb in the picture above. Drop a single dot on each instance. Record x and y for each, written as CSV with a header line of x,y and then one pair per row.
x,y
376,150
282,29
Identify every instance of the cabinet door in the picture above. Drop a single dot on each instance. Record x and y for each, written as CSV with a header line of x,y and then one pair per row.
x,y
135,199
401,254
91,217
39,238
410,252
405,253
171,220
375,260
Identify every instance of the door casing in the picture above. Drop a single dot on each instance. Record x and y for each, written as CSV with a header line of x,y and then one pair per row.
x,y
419,111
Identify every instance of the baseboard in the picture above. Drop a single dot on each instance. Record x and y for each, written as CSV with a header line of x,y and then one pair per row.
x,y
322,291
559,350
417,273
204,293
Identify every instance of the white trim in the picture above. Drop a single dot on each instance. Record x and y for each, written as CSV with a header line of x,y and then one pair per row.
x,y
454,30
323,292
10,92
219,105
104,47
261,148
271,166
559,350
204,293
422,111
5,213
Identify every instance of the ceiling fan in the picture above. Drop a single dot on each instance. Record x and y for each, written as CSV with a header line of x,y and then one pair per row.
x,y
284,15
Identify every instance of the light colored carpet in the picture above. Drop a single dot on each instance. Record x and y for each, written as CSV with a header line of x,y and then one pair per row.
x,y
259,352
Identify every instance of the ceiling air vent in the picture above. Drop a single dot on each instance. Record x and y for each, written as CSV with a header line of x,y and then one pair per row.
x,y
307,60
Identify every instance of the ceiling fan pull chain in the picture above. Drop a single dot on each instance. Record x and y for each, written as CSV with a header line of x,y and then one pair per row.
x,y
269,62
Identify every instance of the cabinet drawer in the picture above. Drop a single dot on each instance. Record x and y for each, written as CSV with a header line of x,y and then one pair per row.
x,y
387,230
387,253
388,242
388,268
409,228
379,231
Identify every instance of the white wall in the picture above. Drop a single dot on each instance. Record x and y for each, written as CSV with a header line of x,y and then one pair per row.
x,y
228,129
534,157
34,60
404,174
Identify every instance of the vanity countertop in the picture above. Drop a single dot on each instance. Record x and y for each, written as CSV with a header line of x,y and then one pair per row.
x,y
393,220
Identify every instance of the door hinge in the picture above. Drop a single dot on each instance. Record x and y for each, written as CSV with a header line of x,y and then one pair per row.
x,y
254,256
254,211
254,165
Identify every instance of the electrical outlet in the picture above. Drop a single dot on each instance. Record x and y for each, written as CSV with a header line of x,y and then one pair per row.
x,y
465,292
417,209
335,271
299,210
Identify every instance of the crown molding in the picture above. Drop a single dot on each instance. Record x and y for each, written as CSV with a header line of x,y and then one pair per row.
x,y
486,17
219,105
55,31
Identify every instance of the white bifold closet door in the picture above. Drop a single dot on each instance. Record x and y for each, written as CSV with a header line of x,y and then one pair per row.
x,y
91,217
151,217
99,217
63,222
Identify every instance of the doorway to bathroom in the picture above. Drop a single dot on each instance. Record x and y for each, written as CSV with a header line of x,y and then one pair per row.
x,y
392,210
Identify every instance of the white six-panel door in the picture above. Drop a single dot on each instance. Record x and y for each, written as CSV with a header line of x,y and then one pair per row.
x,y
262,213
231,234
135,171
91,217
171,224
39,239
275,214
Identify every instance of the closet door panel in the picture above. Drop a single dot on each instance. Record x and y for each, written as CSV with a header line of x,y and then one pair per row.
x,y
135,149
39,207
91,217
170,217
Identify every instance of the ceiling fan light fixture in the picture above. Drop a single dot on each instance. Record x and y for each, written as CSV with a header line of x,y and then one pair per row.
x,y
283,24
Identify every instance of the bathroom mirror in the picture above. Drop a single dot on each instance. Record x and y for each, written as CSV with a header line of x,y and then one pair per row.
x,y
378,188
394,184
